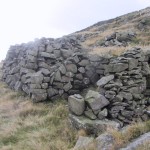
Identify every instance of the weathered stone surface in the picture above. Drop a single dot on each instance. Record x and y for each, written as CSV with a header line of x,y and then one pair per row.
x,y
66,53
81,69
76,104
95,100
35,86
133,63
89,114
44,71
71,68
104,80
62,69
47,55
83,143
125,95
36,78
92,126
44,85
112,68
39,97
104,142
102,114
67,86
57,76
52,92
18,86
110,94
84,62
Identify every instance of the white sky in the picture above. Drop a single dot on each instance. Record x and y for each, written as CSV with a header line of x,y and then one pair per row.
x,y
24,20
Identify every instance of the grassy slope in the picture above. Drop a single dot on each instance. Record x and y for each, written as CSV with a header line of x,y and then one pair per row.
x,y
28,126
118,25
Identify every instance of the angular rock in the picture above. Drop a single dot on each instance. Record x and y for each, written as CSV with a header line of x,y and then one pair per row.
x,y
47,55
44,85
104,80
18,86
57,76
44,71
39,97
35,86
84,62
95,100
89,114
37,78
110,94
125,95
81,70
67,86
133,63
71,68
103,114
76,104
116,68
62,69
52,92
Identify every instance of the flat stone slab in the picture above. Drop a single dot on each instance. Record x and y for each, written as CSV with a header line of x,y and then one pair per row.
x,y
92,126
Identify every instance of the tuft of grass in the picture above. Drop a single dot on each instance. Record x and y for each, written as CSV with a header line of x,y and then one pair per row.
x,y
132,132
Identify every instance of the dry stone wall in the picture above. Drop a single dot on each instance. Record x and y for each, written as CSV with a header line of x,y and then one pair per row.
x,y
49,68
122,91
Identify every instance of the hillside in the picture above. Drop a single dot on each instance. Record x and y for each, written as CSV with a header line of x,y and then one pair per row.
x,y
86,87
137,23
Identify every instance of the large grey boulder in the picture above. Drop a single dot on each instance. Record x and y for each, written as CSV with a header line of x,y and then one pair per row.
x,y
95,100
92,126
84,143
76,104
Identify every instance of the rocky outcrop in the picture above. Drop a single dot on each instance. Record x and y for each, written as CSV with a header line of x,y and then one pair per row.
x,y
118,39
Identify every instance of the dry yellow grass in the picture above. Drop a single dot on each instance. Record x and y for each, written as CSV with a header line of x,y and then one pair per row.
x,y
132,132
144,146
28,126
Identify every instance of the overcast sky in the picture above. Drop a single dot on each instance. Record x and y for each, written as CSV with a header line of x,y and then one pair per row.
x,y
25,20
